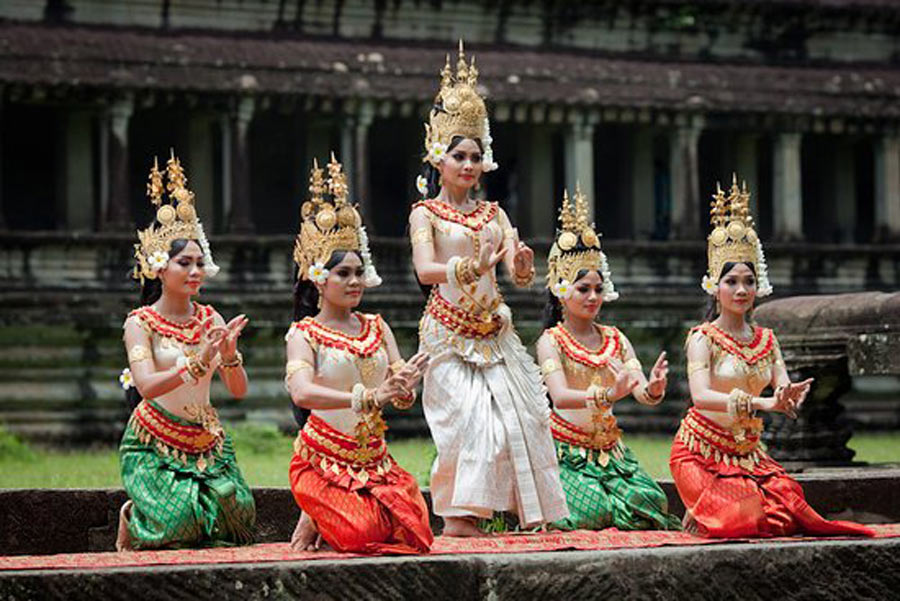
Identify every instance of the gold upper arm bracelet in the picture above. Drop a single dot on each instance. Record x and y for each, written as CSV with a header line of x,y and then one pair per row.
x,y
694,366
633,365
549,366
509,233
293,367
421,235
139,352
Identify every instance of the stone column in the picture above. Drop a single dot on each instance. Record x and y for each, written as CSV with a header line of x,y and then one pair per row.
x,y
685,181
78,171
579,153
642,200
787,195
241,218
360,174
887,188
747,169
118,210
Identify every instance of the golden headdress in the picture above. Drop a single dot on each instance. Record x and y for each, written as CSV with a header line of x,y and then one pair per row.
x,y
566,259
175,220
733,238
459,110
328,222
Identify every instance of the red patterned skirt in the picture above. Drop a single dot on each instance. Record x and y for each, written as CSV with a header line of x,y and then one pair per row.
x,y
359,498
734,489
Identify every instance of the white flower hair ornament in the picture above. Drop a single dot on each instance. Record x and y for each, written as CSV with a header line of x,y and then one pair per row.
x,y
562,289
158,260
709,285
437,152
422,186
126,380
317,273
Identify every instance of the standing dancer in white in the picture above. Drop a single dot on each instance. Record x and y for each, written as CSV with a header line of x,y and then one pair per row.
x,y
483,396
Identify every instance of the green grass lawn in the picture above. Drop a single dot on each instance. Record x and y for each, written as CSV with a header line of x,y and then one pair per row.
x,y
264,455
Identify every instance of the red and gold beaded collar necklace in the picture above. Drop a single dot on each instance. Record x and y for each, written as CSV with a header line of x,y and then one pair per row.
x,y
474,220
579,353
186,332
364,344
759,347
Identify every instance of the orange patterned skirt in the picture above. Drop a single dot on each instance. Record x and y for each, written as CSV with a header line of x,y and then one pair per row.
x,y
359,498
734,489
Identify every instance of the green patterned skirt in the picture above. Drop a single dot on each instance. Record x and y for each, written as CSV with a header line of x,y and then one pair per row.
x,y
620,494
182,499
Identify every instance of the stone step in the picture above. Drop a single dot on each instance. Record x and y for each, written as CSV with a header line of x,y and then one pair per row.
x,y
45,521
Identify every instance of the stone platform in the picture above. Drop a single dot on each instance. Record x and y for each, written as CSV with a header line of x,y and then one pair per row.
x,y
828,569
46,521
76,521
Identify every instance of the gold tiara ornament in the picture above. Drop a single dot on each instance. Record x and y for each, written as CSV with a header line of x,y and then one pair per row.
x,y
459,110
733,238
576,248
176,219
328,222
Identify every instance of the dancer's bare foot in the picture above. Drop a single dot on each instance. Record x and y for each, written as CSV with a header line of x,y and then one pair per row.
x,y
461,527
306,537
123,538
690,525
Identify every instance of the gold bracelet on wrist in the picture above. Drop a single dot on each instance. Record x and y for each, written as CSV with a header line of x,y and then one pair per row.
x,y
404,402
523,281
196,367
237,361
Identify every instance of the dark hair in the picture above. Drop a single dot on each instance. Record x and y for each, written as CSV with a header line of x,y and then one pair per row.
x,y
306,295
306,304
553,313
712,309
151,290
433,176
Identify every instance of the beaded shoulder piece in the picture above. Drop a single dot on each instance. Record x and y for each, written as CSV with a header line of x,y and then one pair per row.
x,y
364,344
593,358
475,220
187,332
757,354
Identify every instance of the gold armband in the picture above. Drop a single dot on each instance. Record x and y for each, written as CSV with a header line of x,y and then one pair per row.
x,y
139,352
633,365
423,234
694,366
293,367
549,366
509,233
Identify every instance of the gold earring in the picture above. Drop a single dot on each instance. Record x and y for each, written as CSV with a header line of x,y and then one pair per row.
x,y
718,306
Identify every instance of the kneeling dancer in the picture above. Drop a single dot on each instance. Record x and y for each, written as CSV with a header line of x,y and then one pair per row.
x,y
178,464
730,487
587,368
345,367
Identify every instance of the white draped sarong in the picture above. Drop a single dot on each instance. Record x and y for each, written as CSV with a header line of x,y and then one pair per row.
x,y
488,413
